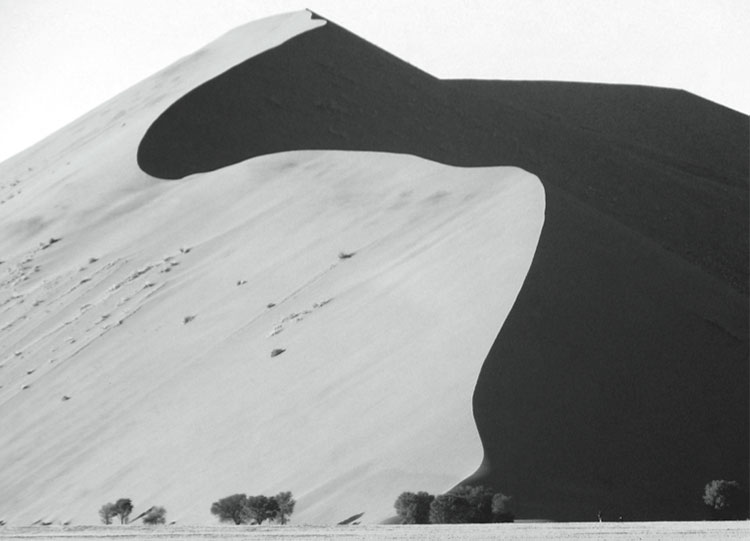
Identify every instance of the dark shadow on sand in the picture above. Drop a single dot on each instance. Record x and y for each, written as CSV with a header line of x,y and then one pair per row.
x,y
620,378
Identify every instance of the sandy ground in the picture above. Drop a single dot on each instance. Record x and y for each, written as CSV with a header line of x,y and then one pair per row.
x,y
642,531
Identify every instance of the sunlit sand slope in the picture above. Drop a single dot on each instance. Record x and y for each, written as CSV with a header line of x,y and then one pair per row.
x,y
308,321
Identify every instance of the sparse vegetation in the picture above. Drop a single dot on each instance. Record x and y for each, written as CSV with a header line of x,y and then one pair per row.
x,y
286,506
107,513
243,509
479,499
727,500
261,508
414,508
465,504
231,508
121,508
155,515
450,509
502,506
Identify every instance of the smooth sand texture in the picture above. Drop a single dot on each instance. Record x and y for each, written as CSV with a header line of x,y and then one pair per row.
x,y
174,396
620,379
136,350
617,382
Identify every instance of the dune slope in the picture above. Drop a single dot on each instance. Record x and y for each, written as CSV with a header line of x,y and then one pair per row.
x,y
312,321
619,381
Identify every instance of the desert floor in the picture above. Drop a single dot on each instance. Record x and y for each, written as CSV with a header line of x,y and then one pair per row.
x,y
622,531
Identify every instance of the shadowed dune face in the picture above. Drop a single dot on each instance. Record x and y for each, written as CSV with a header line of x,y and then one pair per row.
x,y
642,155
619,380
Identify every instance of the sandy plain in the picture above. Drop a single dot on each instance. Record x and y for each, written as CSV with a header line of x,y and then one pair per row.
x,y
650,531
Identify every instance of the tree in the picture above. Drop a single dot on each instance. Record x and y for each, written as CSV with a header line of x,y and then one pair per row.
x,y
502,508
286,506
479,499
726,499
231,509
155,515
450,509
107,513
464,504
123,508
414,508
260,508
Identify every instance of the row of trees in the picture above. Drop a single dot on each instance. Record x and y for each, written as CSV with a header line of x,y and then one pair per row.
x,y
123,507
727,500
465,504
243,509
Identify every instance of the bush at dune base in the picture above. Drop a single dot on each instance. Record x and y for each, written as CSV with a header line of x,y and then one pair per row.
x,y
463,505
243,509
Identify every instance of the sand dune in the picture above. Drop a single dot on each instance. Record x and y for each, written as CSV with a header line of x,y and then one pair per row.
x,y
604,389
136,347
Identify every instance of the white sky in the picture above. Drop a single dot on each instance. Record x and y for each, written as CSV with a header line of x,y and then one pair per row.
x,y
61,58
